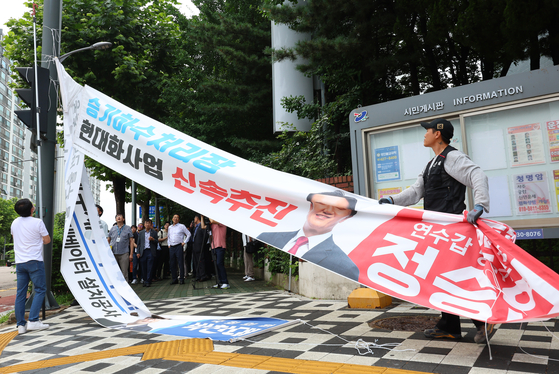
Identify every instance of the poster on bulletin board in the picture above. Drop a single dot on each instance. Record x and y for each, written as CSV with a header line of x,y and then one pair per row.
x,y
556,184
532,193
526,145
387,161
384,192
553,138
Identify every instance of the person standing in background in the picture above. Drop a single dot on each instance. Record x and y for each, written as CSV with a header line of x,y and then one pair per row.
x,y
177,236
218,245
147,247
121,239
102,223
163,269
249,263
136,273
30,234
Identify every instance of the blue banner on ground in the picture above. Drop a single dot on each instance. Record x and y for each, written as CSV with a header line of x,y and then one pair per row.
x,y
222,329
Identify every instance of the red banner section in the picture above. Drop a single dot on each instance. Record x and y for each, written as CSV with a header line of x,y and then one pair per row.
x,y
457,268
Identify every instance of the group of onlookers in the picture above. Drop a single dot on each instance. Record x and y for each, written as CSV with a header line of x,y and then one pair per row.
x,y
174,251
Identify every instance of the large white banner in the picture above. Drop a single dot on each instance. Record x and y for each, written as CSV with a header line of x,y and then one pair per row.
x,y
433,259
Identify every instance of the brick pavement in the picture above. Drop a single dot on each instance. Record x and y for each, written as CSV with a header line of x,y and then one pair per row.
x,y
527,348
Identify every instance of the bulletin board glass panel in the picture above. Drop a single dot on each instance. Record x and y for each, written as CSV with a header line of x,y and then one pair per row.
x,y
518,148
397,157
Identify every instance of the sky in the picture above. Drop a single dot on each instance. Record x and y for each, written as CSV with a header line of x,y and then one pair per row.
x,y
15,9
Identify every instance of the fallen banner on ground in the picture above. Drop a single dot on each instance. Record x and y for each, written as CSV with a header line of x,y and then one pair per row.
x,y
433,259
216,328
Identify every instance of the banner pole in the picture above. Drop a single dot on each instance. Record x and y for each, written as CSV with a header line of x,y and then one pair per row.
x,y
37,116
290,262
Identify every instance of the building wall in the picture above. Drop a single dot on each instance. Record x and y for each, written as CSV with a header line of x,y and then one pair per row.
x,y
18,163
343,183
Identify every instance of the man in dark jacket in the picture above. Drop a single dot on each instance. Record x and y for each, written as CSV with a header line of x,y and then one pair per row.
x,y
147,245
442,185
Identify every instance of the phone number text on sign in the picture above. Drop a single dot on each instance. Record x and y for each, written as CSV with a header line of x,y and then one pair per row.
x,y
529,234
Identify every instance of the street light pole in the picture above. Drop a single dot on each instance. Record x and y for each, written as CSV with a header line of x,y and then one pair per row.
x,y
96,46
52,20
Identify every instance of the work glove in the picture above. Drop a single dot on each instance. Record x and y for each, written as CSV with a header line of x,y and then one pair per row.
x,y
474,214
385,200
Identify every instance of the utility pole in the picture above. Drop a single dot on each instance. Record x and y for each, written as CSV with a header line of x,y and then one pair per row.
x,y
52,20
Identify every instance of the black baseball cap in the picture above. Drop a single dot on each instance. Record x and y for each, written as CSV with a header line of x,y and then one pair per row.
x,y
442,125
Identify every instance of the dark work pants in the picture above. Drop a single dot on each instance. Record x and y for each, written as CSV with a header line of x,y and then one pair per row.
x,y
147,265
199,263
165,260
451,323
158,264
220,262
136,272
176,259
210,267
188,258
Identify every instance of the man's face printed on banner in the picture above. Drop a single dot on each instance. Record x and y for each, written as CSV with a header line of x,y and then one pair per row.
x,y
325,212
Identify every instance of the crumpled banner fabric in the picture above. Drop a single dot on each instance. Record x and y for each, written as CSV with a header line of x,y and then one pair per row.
x,y
433,259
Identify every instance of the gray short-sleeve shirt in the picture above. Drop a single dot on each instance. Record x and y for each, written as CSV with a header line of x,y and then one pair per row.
x,y
121,246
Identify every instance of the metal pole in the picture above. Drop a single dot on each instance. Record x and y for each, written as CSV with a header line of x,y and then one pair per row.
x,y
290,262
37,116
157,223
134,221
52,19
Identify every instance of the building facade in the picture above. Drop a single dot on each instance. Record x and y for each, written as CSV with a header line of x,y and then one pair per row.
x,y
18,163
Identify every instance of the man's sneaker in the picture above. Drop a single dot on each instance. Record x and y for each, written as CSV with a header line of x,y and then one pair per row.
x,y
245,277
438,334
142,281
135,281
22,329
249,279
480,334
36,325
215,286
225,286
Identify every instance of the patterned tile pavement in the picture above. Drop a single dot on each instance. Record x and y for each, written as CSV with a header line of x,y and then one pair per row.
x,y
330,335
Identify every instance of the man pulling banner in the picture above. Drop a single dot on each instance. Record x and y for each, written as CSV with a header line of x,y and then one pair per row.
x,y
437,260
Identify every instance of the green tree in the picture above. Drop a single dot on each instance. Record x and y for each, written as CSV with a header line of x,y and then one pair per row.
x,y
371,51
222,95
144,34
7,216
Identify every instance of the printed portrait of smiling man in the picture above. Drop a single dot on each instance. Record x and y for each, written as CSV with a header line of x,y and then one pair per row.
x,y
314,241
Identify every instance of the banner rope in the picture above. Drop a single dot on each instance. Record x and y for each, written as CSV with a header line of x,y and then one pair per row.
x,y
498,287
536,356
359,345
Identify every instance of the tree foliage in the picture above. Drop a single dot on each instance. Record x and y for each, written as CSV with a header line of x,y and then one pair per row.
x,y
7,216
372,51
222,95
145,34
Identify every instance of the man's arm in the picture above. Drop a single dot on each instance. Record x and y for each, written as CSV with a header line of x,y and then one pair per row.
x,y
460,167
132,241
46,239
187,234
412,194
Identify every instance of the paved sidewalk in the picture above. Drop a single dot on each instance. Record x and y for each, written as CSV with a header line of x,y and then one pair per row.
x,y
73,333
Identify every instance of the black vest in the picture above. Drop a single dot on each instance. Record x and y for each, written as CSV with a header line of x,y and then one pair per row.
x,y
442,192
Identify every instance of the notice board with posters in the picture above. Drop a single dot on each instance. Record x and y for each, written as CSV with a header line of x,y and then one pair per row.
x,y
518,148
509,126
